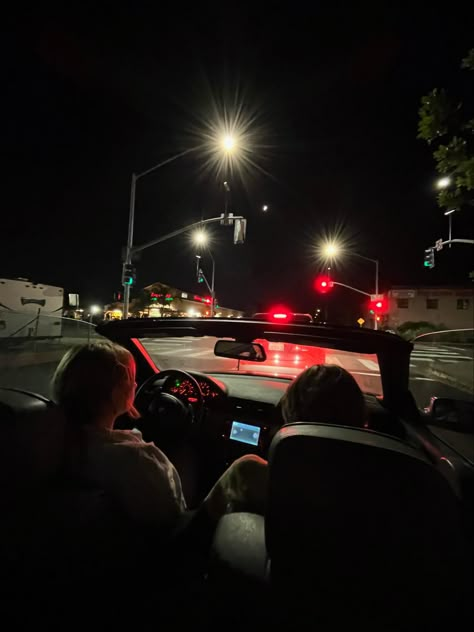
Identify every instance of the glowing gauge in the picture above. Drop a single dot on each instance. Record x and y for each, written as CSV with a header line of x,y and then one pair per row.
x,y
206,390
183,388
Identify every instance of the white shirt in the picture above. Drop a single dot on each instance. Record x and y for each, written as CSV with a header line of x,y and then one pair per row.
x,y
137,474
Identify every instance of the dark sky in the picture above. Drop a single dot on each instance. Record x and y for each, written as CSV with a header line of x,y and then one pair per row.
x,y
90,98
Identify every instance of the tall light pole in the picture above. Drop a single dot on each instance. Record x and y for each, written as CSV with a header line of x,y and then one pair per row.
x,y
226,145
131,219
450,217
200,238
332,250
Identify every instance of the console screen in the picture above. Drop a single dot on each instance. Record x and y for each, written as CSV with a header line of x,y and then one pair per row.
x,y
244,433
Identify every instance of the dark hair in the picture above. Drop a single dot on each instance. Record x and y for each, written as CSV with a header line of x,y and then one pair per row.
x,y
324,393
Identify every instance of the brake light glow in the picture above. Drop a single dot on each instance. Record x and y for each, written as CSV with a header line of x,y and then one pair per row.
x,y
280,316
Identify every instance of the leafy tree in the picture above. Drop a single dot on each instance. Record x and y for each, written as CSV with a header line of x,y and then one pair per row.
x,y
446,126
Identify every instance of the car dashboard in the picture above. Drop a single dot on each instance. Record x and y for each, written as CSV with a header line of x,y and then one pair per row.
x,y
242,412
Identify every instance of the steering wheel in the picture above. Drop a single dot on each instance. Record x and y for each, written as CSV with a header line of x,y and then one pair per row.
x,y
165,415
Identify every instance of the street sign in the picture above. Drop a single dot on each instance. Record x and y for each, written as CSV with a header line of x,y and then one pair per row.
x,y
361,321
376,297
439,245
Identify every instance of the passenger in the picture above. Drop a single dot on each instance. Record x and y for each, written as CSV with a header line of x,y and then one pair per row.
x,y
324,393
94,384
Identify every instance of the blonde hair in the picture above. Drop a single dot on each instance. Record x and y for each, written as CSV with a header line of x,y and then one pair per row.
x,y
87,378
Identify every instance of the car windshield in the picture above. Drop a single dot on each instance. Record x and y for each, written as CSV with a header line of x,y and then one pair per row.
x,y
283,359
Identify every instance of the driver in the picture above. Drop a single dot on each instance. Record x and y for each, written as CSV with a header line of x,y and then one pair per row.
x,y
94,384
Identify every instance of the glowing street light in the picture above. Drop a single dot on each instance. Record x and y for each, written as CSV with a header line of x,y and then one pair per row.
x,y
331,249
228,143
200,238
95,309
265,208
444,183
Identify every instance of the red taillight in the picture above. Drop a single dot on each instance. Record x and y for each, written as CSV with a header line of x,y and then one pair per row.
x,y
280,316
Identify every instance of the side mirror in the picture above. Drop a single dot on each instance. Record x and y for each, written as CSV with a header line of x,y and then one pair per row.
x,y
250,351
452,413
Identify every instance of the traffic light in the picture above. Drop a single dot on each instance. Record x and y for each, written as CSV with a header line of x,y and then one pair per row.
x,y
128,274
378,307
200,276
429,258
323,284
118,296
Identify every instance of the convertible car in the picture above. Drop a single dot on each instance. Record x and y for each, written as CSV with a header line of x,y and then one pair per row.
x,y
365,526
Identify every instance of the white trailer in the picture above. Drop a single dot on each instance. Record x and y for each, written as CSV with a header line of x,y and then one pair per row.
x,y
30,310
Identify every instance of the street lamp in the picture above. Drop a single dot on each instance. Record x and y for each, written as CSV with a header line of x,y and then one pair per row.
x,y
444,183
265,208
332,250
201,238
94,310
223,146
228,142
449,214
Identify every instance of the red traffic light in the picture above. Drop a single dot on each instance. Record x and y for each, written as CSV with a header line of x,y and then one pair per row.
x,y
323,284
378,307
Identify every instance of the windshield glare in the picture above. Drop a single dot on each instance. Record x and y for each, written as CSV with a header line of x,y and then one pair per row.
x,y
284,359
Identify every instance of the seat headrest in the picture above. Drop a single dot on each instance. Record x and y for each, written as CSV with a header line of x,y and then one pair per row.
x,y
32,440
337,493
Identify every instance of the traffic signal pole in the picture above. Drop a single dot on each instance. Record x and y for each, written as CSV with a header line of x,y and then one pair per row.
x,y
355,289
349,287
131,221
128,251
131,250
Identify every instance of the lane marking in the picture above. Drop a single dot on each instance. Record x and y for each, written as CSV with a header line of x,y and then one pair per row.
x,y
364,373
370,364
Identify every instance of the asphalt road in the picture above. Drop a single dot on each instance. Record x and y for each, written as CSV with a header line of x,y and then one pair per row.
x,y
196,354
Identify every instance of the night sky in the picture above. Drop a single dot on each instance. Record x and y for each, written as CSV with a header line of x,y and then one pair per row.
x,y
90,98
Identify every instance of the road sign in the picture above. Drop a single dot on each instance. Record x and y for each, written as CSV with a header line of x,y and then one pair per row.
x,y
376,297
439,244
361,321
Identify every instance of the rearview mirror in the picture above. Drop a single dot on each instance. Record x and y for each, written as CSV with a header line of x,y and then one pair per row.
x,y
452,413
251,351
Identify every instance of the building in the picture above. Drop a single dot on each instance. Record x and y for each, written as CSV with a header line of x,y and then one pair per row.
x,y
449,307
161,300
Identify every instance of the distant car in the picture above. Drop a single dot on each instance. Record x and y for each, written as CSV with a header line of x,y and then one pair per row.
x,y
283,316
287,357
